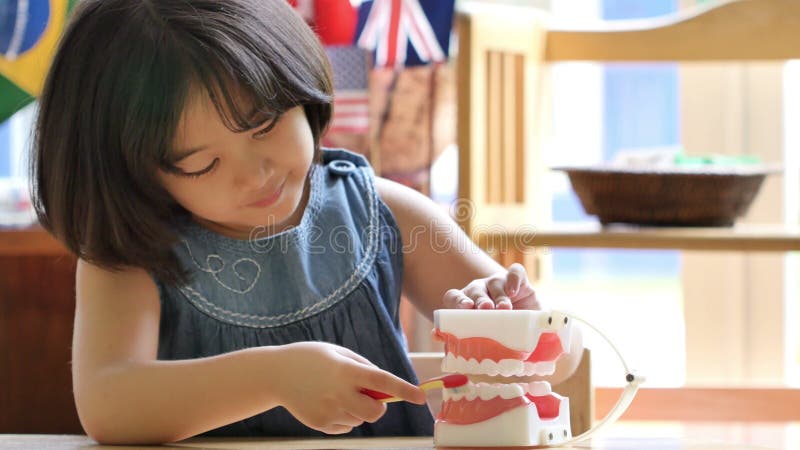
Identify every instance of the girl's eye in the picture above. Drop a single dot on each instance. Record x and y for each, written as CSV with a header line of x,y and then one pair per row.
x,y
200,172
263,132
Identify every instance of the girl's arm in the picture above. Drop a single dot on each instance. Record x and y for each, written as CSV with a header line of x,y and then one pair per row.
x,y
437,255
125,395
443,266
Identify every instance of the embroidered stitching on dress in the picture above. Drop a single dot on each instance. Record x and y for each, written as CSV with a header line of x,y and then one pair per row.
x,y
259,321
214,273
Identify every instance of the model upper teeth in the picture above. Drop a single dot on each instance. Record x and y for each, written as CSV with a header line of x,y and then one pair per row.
x,y
520,331
504,367
484,391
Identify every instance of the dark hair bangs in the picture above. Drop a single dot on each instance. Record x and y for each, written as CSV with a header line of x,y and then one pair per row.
x,y
253,76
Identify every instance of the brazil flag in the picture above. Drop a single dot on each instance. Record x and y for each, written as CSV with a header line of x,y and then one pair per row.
x,y
29,32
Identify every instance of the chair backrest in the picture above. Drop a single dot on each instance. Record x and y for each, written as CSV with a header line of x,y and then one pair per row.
x,y
499,86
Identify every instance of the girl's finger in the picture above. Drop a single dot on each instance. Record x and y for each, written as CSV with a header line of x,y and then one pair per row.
x,y
525,289
365,408
496,291
350,420
354,356
528,301
479,295
484,302
515,279
336,429
455,299
393,386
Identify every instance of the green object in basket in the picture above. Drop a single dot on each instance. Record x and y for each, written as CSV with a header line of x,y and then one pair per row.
x,y
716,160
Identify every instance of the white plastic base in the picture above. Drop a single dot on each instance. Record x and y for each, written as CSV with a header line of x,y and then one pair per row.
x,y
517,427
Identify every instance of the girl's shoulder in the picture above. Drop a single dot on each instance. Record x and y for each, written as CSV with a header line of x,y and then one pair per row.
x,y
337,158
349,187
339,164
404,207
110,282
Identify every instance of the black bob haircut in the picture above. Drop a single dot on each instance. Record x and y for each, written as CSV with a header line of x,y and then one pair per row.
x,y
113,97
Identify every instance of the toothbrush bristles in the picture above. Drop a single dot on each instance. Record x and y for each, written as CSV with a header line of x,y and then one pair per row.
x,y
454,380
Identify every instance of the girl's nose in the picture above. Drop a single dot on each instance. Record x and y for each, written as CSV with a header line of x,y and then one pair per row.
x,y
253,173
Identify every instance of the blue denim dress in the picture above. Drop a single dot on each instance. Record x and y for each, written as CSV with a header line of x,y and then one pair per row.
x,y
335,277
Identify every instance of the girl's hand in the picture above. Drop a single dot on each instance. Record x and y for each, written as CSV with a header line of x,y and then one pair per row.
x,y
504,290
320,386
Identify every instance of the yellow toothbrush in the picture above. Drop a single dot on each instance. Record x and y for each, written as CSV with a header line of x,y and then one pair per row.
x,y
447,381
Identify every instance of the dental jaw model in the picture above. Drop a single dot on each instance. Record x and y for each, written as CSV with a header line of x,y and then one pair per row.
x,y
502,344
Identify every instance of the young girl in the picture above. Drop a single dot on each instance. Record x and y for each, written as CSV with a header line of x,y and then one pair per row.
x,y
233,278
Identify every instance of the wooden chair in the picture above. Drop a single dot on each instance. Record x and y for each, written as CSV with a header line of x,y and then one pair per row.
x,y
502,118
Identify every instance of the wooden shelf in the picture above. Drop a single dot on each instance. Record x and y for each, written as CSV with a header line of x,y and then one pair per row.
x,y
765,30
742,237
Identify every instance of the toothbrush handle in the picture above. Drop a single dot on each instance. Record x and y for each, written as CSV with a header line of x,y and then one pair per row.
x,y
447,381
385,398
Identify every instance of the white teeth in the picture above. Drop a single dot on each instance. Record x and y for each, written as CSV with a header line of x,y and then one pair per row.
x,y
530,369
538,388
540,368
488,366
506,367
511,390
488,391
471,366
509,366
484,391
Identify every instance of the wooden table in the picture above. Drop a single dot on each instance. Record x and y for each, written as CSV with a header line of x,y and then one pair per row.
x,y
623,435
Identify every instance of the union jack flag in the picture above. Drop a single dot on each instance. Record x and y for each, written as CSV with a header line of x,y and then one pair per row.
x,y
350,95
405,32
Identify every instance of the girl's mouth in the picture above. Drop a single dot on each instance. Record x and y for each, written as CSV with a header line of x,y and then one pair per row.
x,y
269,200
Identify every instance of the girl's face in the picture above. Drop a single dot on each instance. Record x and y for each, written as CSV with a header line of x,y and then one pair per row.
x,y
234,182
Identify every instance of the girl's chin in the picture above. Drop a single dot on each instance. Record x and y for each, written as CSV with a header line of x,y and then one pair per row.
x,y
274,223
258,223
247,229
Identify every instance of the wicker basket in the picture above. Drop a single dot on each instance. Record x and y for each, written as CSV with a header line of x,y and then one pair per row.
x,y
675,196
